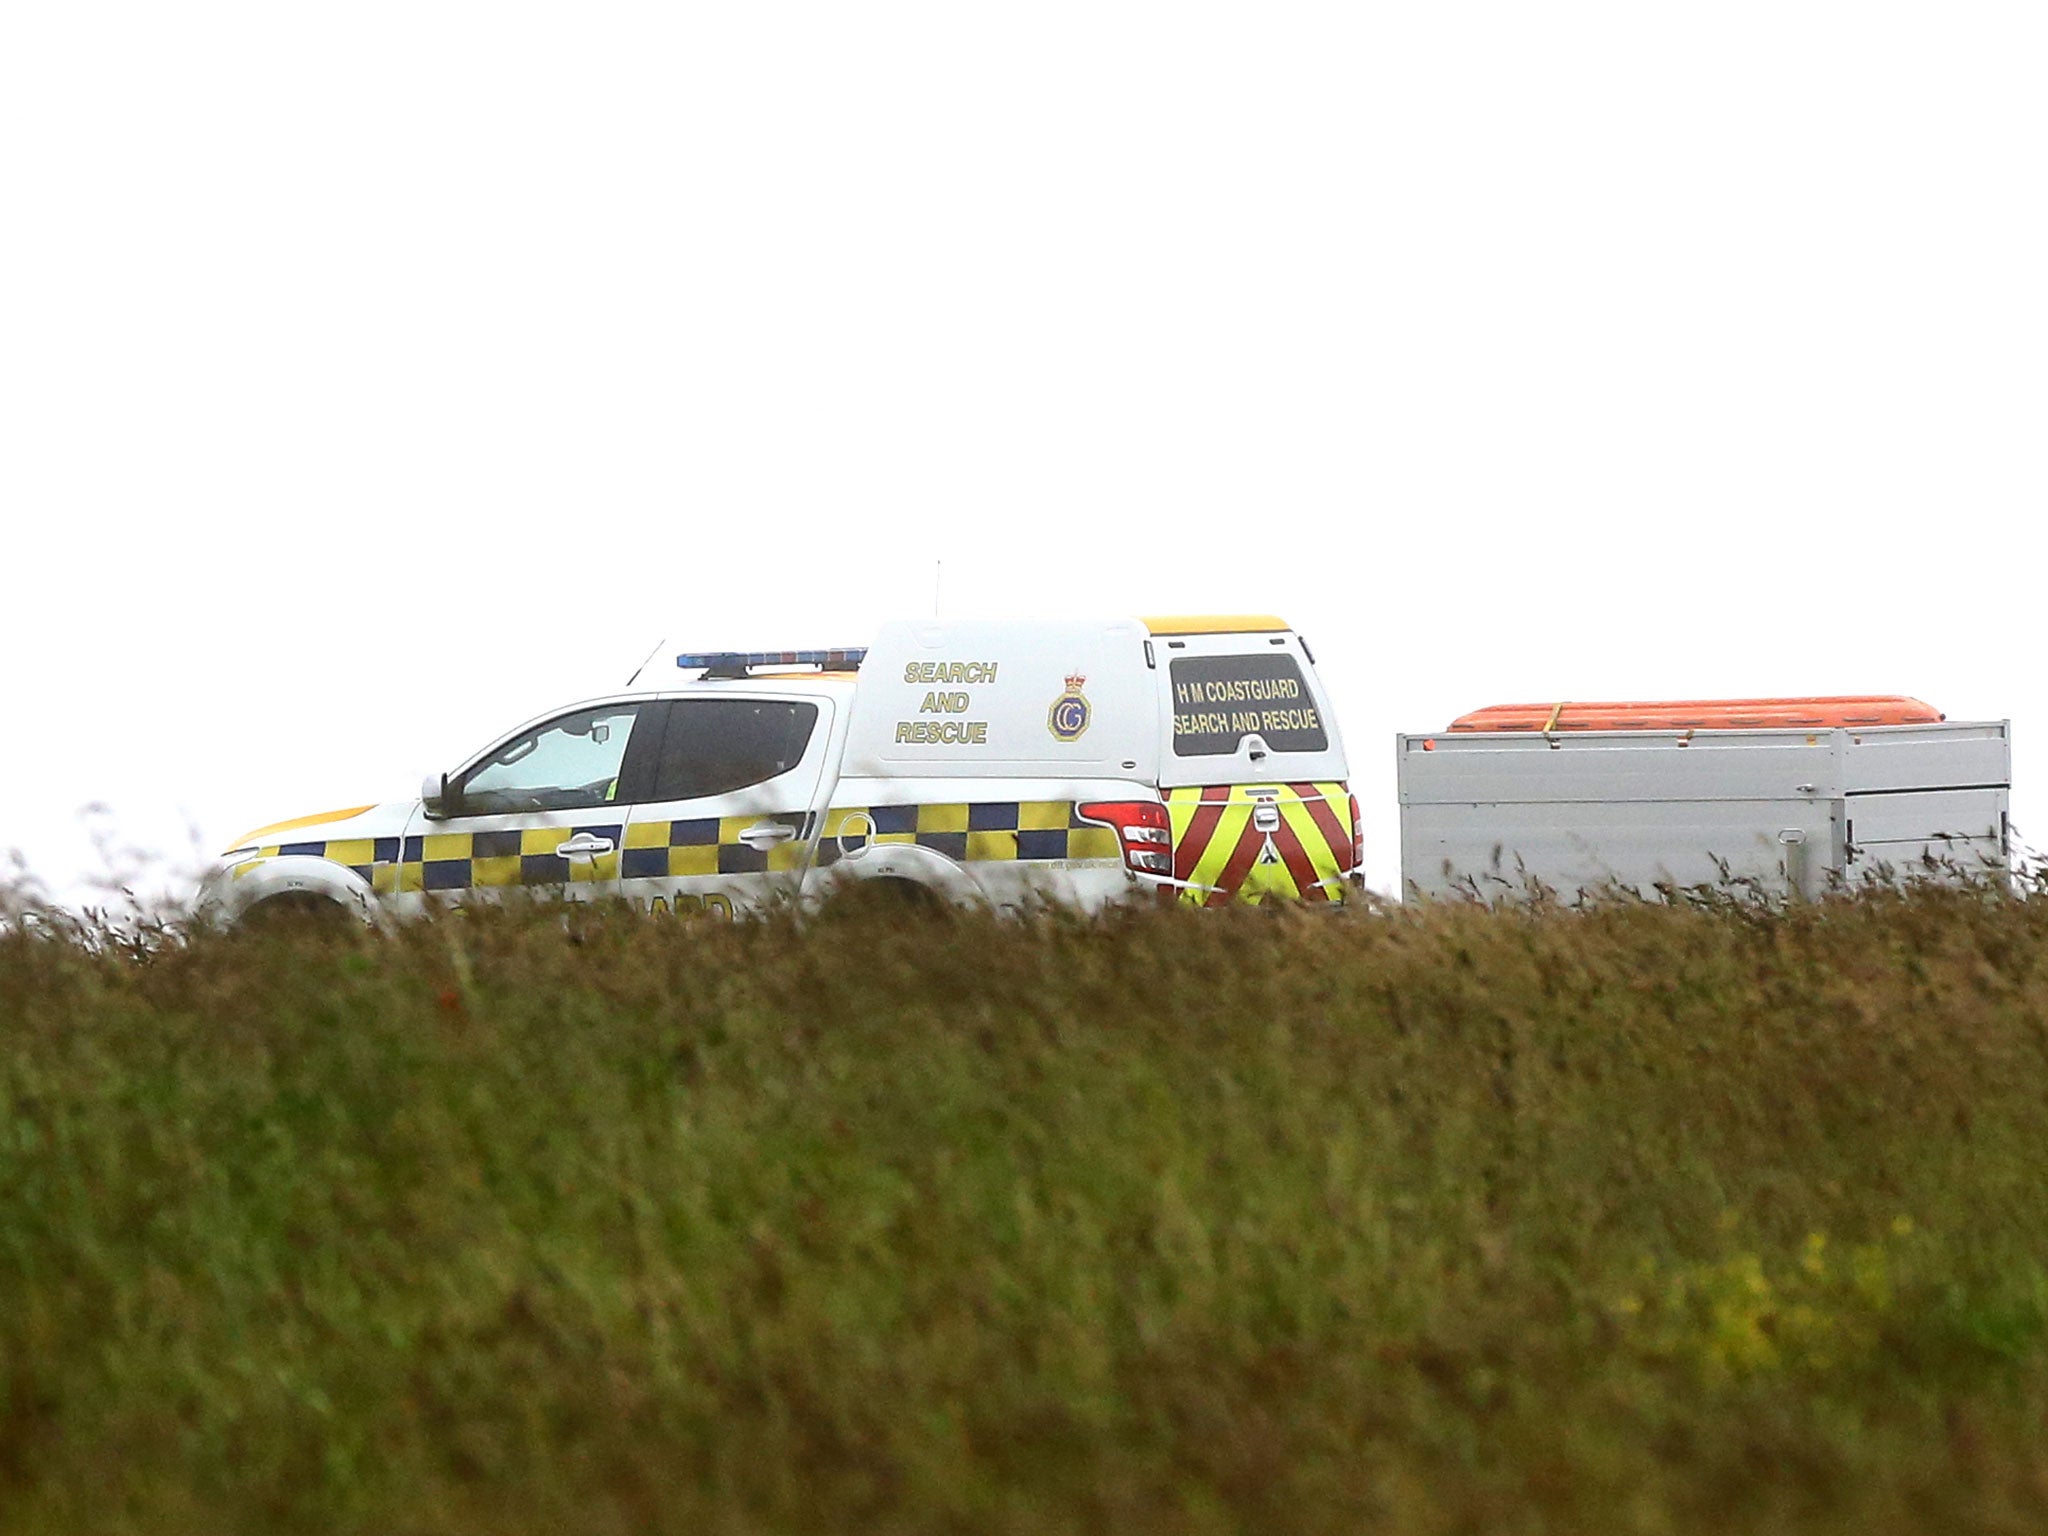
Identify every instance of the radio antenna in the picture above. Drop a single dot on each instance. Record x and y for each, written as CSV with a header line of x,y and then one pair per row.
x,y
643,665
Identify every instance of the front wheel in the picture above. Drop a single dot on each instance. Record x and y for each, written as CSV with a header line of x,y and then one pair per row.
x,y
296,912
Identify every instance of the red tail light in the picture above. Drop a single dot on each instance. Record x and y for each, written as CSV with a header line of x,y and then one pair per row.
x,y
1357,842
1142,830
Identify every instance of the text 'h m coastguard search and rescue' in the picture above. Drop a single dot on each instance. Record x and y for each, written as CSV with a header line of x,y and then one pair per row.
x,y
1219,700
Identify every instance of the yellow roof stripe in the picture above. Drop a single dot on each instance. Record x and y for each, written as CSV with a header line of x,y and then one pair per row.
x,y
1214,624
301,821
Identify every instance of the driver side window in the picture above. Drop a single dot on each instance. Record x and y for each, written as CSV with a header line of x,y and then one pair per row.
x,y
570,764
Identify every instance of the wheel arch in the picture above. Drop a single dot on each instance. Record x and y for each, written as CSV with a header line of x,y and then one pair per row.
x,y
297,878
908,864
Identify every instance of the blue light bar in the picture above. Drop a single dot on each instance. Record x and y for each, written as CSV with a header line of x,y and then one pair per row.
x,y
738,663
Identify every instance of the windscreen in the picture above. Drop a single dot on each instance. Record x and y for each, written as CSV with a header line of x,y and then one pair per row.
x,y
1220,700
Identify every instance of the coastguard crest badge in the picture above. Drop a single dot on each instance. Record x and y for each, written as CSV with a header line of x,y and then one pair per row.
x,y
1070,713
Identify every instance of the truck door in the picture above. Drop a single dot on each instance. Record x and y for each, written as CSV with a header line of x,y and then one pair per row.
x,y
1254,773
731,818
542,812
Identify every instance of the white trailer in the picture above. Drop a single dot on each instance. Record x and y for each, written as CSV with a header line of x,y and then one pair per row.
x,y
1486,811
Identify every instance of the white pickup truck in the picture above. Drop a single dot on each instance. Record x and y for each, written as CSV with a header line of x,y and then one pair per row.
x,y
1796,795
1189,759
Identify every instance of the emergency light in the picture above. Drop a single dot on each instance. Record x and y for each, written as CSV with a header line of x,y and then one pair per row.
x,y
739,663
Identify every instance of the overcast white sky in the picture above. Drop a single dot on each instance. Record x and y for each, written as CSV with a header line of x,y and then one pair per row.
x,y
373,377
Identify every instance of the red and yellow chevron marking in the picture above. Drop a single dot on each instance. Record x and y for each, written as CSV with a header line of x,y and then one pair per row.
x,y
1222,854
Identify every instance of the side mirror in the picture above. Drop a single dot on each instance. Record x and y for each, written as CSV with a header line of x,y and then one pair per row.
x,y
434,795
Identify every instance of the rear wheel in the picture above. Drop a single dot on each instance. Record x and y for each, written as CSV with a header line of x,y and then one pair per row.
x,y
883,897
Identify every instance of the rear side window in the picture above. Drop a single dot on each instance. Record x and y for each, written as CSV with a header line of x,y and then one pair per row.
x,y
1220,700
715,746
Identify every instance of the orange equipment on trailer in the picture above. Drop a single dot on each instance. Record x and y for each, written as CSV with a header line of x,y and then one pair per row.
x,y
1846,710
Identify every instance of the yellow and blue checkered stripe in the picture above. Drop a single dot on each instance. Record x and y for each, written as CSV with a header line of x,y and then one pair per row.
x,y
977,832
457,861
997,831
364,855
710,845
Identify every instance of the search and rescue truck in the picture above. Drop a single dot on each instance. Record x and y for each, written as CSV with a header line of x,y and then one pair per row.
x,y
1001,762
1795,795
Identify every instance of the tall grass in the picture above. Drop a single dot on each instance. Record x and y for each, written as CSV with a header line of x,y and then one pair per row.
x,y
1643,1219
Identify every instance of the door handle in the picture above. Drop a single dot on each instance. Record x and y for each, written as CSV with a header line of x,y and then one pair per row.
x,y
766,834
584,845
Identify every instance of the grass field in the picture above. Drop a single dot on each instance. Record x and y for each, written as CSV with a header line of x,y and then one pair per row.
x,y
1651,1219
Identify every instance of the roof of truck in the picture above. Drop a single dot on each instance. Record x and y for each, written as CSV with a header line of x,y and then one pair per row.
x,y
1703,714
1213,624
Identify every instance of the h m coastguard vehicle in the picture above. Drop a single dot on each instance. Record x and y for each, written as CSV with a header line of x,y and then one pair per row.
x,y
1000,762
